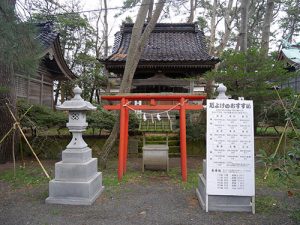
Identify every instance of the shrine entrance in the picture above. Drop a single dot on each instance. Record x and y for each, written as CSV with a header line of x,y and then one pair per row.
x,y
152,102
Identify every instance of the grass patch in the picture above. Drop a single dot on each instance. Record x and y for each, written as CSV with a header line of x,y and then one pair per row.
x,y
266,204
274,181
192,181
28,176
55,212
295,215
111,183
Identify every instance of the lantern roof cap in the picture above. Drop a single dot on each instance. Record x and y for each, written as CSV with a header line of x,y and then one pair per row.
x,y
77,103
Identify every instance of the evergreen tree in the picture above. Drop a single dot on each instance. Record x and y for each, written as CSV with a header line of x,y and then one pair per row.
x,y
250,75
19,51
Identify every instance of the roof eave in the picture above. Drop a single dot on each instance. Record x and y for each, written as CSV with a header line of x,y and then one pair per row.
x,y
58,55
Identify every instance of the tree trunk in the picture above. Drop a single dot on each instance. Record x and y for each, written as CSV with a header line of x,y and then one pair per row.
x,y
105,37
295,20
62,92
150,11
227,25
137,42
97,96
56,94
92,94
7,91
244,25
7,95
193,5
266,28
213,29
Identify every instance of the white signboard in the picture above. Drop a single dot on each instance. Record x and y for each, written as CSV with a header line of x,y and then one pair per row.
x,y
230,148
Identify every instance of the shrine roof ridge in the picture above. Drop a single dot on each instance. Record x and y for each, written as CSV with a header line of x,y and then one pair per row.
x,y
168,43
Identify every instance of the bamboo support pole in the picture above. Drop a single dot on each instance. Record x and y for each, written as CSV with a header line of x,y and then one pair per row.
x,y
13,127
24,136
13,150
294,106
277,147
289,121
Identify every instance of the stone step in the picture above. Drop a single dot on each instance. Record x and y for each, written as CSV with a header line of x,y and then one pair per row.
x,y
74,192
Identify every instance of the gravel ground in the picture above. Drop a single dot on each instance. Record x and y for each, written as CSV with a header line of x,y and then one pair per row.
x,y
157,200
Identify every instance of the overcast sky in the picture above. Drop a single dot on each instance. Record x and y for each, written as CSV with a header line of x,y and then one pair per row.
x,y
115,22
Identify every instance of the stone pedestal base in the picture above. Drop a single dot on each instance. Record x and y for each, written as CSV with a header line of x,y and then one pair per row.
x,y
225,203
75,192
77,181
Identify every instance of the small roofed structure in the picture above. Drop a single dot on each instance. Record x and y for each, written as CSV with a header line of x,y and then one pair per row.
x,y
39,88
290,53
173,60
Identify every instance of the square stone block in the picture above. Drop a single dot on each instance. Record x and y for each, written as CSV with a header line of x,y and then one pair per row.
x,y
224,203
74,192
76,155
75,171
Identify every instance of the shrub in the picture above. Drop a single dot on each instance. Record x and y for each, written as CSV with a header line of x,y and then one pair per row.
x,y
40,116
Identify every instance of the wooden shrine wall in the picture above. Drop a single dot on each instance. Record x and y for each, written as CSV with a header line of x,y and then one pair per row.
x,y
37,89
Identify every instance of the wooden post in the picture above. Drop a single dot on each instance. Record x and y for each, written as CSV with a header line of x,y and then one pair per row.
x,y
122,139
183,140
126,137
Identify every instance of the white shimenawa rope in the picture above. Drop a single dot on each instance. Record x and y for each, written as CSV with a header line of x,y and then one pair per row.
x,y
157,113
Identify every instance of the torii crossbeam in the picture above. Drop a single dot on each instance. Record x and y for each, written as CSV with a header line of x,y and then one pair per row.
x,y
124,105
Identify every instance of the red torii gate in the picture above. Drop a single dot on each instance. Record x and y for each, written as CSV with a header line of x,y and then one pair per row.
x,y
124,106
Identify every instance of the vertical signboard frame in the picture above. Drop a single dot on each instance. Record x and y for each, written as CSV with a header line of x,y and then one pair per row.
x,y
230,148
228,179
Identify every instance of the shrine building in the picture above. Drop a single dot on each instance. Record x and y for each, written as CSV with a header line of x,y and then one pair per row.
x,y
39,87
290,54
174,59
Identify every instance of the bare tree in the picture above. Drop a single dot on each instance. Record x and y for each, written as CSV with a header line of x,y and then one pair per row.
x,y
193,5
139,37
150,11
213,28
266,27
227,24
244,25
105,39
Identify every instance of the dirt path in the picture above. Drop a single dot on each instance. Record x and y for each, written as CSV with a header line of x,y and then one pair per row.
x,y
155,200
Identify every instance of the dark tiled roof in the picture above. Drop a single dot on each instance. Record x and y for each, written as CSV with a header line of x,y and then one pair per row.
x,y
49,38
167,43
46,34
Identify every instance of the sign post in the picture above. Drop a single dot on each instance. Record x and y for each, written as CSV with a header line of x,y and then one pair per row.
x,y
230,148
228,180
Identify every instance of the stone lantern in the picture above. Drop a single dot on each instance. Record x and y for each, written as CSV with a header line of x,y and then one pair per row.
x,y
77,180
222,90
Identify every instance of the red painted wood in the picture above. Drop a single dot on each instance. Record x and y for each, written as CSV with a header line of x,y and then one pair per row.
x,y
126,138
153,102
156,107
183,153
122,139
124,120
152,96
